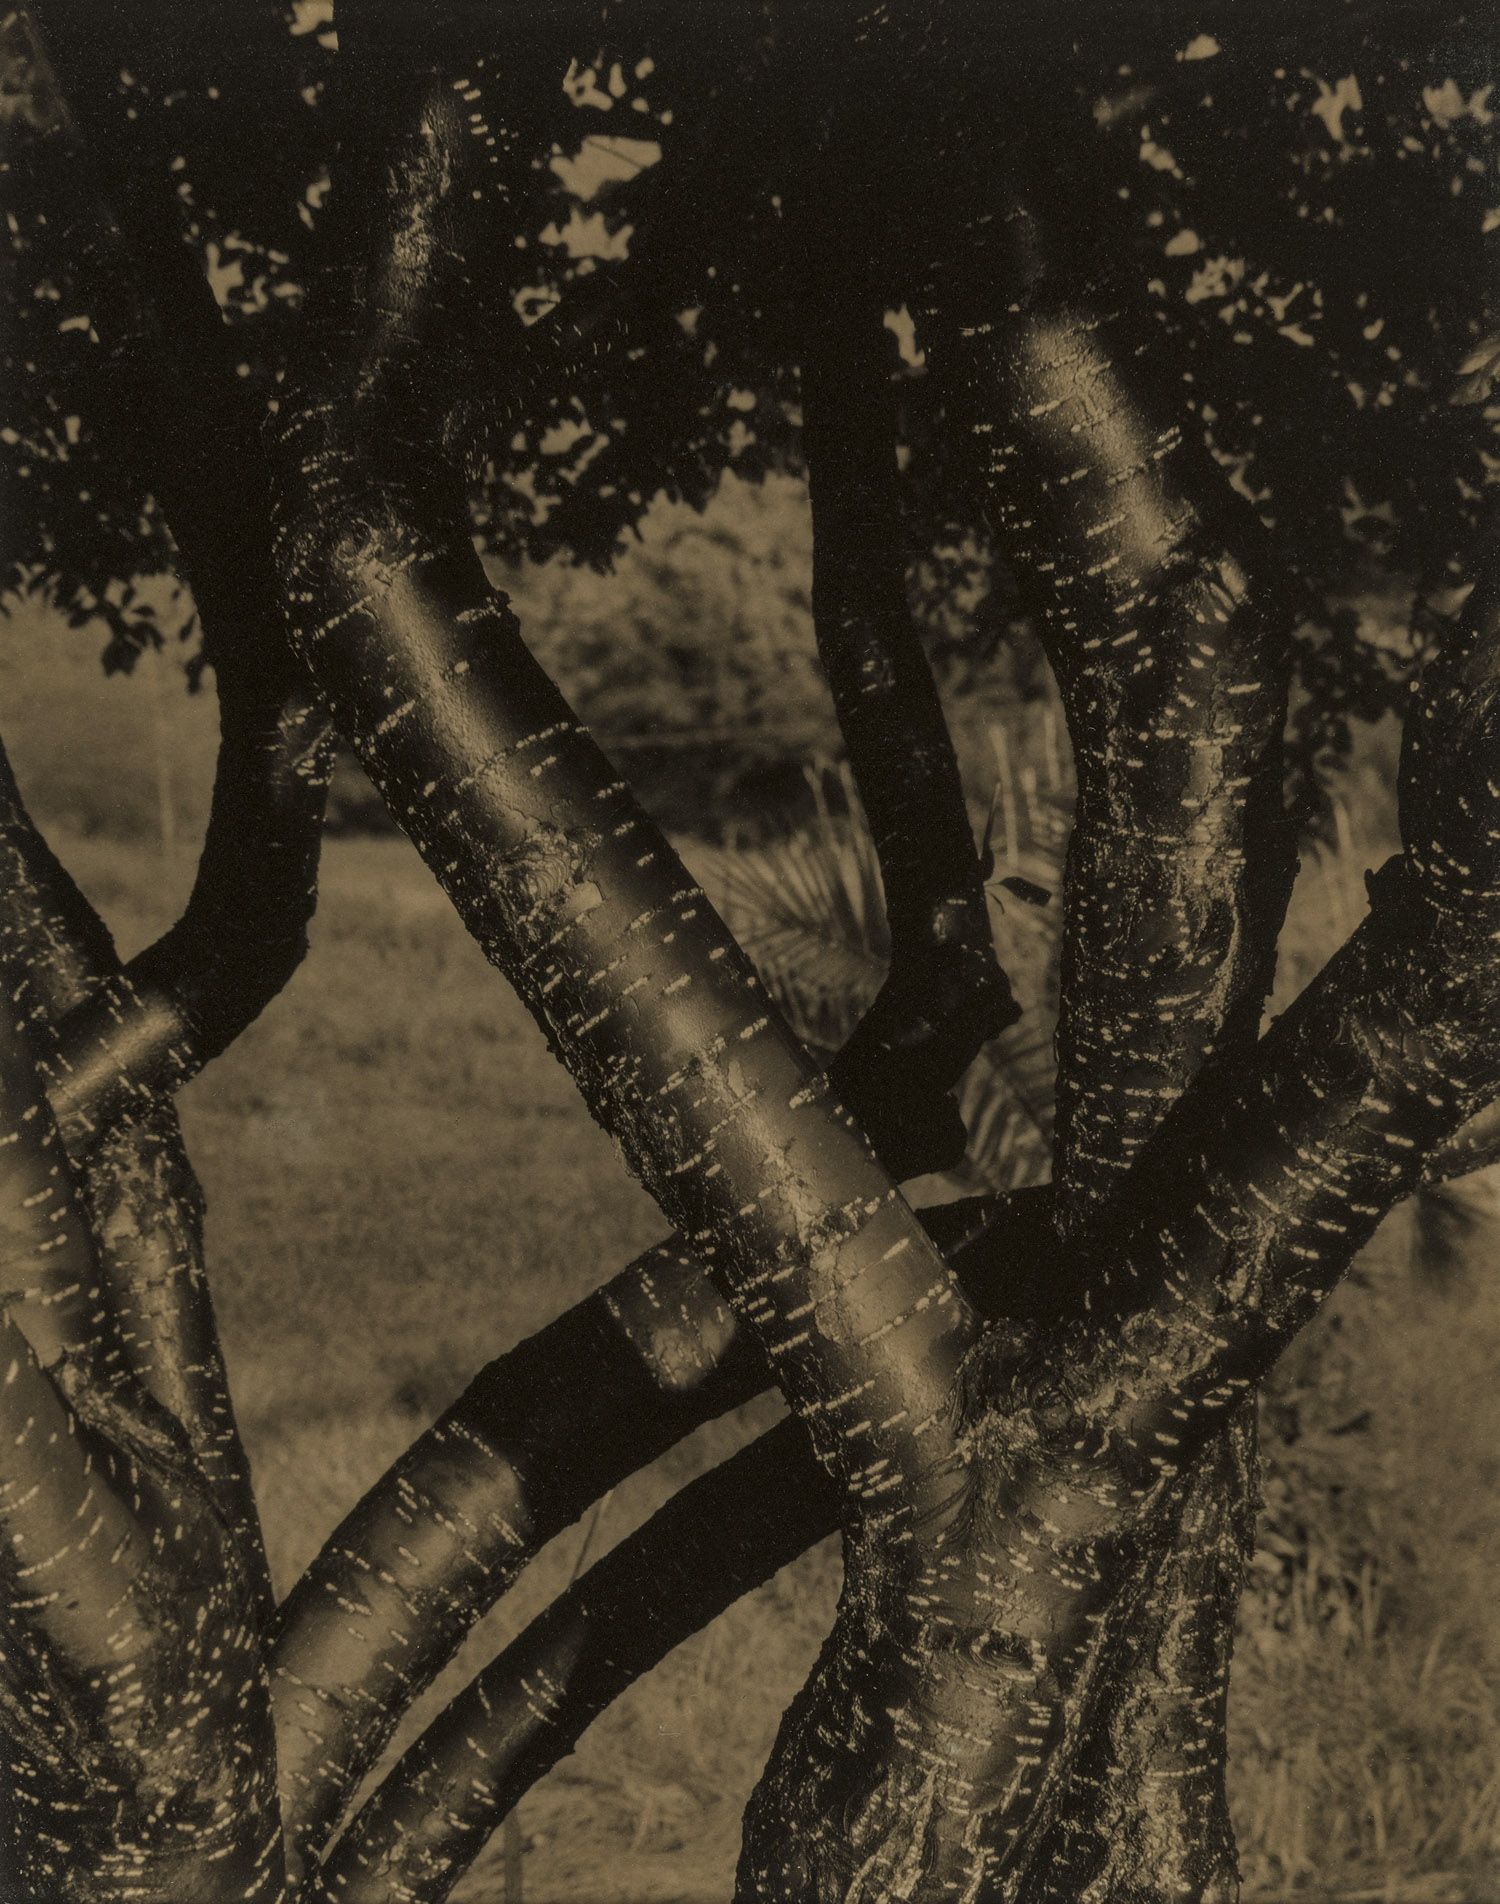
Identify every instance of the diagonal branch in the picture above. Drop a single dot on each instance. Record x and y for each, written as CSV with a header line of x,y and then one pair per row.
x,y
185,422
690,1362
658,1016
442,1535
143,1033
717,1539
516,1459
575,895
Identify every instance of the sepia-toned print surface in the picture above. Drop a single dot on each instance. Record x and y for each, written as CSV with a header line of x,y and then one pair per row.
x,y
749,952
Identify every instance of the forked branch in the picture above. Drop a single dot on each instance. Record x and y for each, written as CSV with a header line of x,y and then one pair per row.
x,y
135,1710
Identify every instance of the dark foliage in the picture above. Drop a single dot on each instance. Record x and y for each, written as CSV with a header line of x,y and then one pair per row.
x,y
1306,205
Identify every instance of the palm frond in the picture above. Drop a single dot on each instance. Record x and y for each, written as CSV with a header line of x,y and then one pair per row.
x,y
809,909
1006,1101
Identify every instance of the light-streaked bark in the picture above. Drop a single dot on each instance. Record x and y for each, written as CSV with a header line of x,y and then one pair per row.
x,y
1024,1527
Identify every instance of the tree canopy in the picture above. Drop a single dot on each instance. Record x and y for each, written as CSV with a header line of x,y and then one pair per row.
x,y
1303,199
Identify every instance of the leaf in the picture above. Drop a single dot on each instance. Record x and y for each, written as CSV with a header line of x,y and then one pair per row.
x,y
1027,890
1479,374
987,844
1007,1101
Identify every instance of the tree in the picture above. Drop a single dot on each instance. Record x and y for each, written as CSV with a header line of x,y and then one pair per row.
x,y
1029,1417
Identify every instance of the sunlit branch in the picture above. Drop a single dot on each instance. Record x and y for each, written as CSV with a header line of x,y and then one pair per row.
x,y
575,895
1167,624
521,1454
717,1539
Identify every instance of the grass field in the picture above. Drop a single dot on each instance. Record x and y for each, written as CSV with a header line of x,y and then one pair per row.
x,y
401,1182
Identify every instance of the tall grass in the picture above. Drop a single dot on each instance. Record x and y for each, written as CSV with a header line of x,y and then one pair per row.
x,y
1366,1696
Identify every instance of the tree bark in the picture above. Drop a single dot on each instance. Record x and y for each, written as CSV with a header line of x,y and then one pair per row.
x,y
136,1587
1167,625
1029,1533
945,995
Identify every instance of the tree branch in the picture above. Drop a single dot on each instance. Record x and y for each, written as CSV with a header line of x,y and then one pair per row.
x,y
1253,1201
441,1536
517,1458
578,899
185,422
691,1361
945,995
176,1005
717,1539
1167,622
